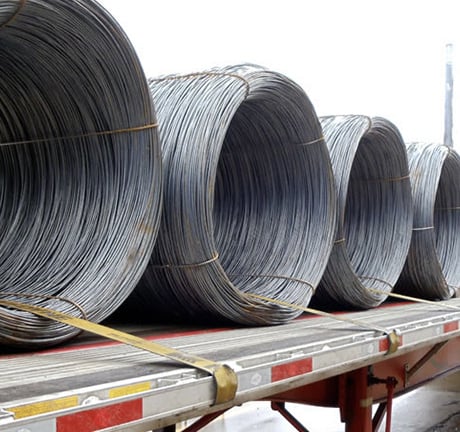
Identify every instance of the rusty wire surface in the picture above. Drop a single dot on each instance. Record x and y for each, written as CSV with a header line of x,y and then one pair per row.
x,y
374,211
79,165
432,269
249,198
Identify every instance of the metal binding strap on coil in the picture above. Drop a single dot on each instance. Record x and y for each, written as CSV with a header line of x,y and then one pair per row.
x,y
80,165
374,223
246,169
432,267
224,376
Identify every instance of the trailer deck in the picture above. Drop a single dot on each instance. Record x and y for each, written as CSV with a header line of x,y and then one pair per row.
x,y
93,384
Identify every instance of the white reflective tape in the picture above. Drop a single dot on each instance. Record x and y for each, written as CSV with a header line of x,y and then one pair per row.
x,y
36,426
254,379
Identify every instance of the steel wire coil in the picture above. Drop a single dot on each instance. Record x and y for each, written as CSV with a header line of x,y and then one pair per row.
x,y
374,225
249,198
432,269
80,178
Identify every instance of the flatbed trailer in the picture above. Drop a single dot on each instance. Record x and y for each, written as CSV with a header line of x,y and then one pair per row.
x,y
93,384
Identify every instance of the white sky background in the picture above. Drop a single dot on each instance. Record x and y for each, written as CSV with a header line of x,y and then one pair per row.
x,y
384,58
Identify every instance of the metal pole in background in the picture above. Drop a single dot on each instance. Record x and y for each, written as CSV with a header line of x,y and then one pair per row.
x,y
448,98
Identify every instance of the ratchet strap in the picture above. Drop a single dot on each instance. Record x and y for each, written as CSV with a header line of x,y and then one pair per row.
x,y
393,336
224,377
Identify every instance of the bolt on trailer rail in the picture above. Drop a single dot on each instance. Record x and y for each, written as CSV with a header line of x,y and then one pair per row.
x,y
104,385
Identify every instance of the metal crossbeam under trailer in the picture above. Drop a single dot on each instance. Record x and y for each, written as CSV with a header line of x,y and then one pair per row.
x,y
94,384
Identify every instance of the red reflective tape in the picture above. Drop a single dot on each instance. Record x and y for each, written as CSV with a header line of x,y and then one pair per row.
x,y
450,327
292,369
384,344
92,419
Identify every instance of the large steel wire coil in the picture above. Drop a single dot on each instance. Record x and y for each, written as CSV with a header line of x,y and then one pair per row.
x,y
79,166
432,269
249,199
375,211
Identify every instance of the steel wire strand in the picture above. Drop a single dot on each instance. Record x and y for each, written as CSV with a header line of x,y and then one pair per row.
x,y
80,179
374,224
249,198
432,269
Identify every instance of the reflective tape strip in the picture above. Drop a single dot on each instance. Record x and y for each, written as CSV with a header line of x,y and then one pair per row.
x,y
44,407
129,389
254,379
292,369
37,426
385,344
450,327
99,418
225,378
87,420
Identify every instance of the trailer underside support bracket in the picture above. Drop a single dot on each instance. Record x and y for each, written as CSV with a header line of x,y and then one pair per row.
x,y
410,371
203,421
281,408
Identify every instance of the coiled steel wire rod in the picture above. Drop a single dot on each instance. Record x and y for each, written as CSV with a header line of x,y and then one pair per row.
x,y
80,179
432,269
375,211
249,198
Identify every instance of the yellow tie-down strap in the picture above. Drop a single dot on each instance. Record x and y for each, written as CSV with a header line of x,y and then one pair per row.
x,y
393,336
224,377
